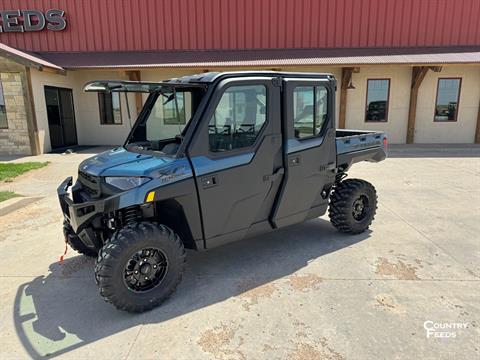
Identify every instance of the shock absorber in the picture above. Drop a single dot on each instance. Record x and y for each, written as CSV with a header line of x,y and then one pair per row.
x,y
130,215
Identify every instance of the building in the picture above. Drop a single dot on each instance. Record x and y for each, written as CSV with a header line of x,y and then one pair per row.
x,y
411,68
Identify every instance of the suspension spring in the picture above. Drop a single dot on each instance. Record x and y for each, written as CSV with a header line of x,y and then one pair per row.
x,y
130,215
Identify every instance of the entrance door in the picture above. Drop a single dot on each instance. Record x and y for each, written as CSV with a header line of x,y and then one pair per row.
x,y
237,158
61,117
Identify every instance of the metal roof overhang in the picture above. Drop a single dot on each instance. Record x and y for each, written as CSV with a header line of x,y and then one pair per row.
x,y
28,59
266,58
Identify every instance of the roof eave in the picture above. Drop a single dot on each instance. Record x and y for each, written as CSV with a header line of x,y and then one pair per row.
x,y
28,60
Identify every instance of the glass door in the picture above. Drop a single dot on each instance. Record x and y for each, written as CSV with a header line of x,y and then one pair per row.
x,y
61,117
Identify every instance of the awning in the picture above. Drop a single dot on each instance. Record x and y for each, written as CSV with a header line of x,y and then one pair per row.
x,y
266,57
28,59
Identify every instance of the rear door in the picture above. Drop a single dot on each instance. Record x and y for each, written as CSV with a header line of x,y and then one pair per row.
x,y
237,157
309,130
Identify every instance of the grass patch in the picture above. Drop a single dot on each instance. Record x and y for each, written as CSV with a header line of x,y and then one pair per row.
x,y
10,171
5,195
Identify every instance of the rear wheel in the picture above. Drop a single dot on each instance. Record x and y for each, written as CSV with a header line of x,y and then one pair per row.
x,y
75,243
140,266
353,205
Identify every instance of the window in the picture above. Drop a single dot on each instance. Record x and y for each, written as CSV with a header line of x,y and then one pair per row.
x,y
164,122
448,93
378,91
3,110
110,109
170,115
238,118
308,120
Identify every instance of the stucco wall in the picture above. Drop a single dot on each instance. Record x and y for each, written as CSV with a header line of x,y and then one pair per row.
x,y
87,113
396,125
461,131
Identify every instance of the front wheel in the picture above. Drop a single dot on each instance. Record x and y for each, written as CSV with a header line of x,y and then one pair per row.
x,y
140,266
353,205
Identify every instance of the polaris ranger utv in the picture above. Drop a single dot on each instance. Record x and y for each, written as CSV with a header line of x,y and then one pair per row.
x,y
213,158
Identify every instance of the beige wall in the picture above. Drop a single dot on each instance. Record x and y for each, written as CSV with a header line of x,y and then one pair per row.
x,y
461,131
90,132
396,125
87,113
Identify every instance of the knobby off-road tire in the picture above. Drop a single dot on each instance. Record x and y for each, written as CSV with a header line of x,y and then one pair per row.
x,y
75,243
353,205
140,266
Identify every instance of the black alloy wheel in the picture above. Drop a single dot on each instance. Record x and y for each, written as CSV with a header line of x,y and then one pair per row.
x,y
145,269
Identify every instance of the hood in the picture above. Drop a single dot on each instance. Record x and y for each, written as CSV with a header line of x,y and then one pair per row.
x,y
120,162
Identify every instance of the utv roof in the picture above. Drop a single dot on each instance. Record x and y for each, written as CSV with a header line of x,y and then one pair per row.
x,y
211,77
201,80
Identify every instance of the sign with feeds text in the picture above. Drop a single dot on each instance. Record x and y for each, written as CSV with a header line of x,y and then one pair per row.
x,y
32,20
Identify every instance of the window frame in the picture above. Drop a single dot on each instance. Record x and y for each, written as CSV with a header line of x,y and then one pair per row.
x,y
5,105
100,108
458,99
223,89
387,110
322,130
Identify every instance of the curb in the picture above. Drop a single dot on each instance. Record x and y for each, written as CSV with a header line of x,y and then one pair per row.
x,y
16,203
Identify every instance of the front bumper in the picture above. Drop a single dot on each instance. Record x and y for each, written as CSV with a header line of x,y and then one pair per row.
x,y
78,215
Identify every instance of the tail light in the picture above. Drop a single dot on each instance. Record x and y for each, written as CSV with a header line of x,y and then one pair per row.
x,y
385,143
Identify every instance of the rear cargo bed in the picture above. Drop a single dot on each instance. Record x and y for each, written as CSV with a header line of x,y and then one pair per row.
x,y
352,140
359,145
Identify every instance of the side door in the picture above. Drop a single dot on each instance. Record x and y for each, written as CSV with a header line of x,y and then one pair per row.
x,y
236,156
310,157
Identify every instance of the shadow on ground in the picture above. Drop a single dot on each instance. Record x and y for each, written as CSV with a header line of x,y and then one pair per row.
x,y
63,311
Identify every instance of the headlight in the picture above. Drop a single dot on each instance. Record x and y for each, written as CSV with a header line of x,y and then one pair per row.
x,y
126,182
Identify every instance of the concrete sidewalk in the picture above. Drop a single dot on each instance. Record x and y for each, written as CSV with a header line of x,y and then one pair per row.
x,y
305,292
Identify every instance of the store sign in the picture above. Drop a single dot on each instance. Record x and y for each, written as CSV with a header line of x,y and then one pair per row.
x,y
32,20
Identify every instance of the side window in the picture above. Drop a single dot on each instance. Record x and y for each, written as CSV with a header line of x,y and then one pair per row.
x,y
378,91
238,118
309,110
110,109
446,105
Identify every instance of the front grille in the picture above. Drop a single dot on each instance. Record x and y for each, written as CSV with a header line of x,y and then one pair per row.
x,y
90,184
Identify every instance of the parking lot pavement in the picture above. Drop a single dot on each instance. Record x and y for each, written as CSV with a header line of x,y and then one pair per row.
x,y
304,292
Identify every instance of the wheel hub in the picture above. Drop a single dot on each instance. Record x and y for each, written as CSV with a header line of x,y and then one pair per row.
x,y
360,208
145,269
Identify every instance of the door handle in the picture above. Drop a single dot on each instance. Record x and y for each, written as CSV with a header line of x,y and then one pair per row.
x,y
274,176
209,181
294,160
331,166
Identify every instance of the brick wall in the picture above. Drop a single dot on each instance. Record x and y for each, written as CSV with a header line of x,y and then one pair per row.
x,y
15,139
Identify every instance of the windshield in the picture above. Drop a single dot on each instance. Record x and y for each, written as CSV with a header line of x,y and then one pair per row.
x,y
169,115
